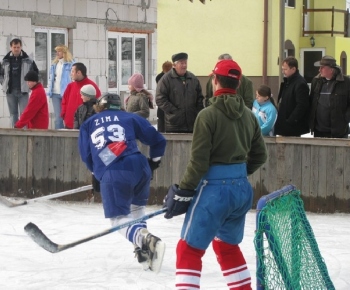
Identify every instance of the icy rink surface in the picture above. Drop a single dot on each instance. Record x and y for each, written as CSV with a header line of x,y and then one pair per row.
x,y
108,262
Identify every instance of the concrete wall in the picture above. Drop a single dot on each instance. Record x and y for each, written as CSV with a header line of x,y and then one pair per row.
x,y
87,22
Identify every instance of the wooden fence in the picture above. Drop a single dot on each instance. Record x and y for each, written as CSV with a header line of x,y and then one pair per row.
x,y
35,163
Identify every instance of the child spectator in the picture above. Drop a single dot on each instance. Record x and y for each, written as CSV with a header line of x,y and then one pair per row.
x,y
265,110
36,113
85,110
140,100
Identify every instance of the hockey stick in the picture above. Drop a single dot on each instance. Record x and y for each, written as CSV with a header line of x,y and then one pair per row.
x,y
11,203
43,241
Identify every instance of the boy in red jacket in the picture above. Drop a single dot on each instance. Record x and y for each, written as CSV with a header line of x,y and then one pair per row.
x,y
36,113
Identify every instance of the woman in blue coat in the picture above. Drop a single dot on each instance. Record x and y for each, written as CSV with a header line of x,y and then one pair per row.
x,y
59,79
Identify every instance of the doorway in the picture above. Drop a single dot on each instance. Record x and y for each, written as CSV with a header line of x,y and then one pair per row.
x,y
308,56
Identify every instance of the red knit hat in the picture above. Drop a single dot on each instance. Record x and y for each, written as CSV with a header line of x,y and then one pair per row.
x,y
224,66
136,80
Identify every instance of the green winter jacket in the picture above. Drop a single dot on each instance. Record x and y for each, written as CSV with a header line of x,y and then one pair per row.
x,y
138,103
226,132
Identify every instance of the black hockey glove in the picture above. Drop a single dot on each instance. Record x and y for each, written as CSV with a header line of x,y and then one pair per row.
x,y
95,184
153,164
177,201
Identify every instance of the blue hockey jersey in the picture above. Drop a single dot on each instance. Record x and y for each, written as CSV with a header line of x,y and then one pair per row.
x,y
112,126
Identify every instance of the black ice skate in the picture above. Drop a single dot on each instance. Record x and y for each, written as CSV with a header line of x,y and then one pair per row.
x,y
155,249
142,257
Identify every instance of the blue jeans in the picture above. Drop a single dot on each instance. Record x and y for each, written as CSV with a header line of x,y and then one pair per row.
x,y
56,102
16,100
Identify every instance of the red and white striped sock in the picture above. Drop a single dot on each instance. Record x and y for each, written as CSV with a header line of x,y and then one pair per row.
x,y
233,265
188,266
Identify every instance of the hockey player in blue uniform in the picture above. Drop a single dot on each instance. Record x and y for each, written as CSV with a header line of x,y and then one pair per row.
x,y
108,147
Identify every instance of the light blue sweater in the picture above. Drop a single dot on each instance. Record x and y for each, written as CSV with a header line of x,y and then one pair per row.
x,y
266,114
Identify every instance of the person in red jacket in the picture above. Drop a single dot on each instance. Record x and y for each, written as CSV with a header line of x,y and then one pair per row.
x,y
71,98
36,113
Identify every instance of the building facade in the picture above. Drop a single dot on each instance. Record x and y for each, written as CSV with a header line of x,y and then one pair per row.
x,y
113,38
256,33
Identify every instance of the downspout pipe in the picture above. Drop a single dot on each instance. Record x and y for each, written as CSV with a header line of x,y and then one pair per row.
x,y
281,46
265,41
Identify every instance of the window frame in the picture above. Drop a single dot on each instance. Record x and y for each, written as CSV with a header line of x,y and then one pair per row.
x,y
289,3
118,36
49,49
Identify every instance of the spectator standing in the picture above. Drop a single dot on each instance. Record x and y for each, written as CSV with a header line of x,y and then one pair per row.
x,y
293,101
179,95
36,113
86,109
245,89
140,100
330,101
108,147
264,109
59,79
227,145
15,65
71,97
166,66
160,114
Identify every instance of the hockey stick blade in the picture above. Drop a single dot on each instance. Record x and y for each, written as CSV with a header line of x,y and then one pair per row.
x,y
43,241
11,203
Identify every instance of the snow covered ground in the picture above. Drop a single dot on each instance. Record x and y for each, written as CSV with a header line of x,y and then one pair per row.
x,y
108,262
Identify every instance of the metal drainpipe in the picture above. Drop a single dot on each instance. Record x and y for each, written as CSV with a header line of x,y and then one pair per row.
x,y
282,26
265,41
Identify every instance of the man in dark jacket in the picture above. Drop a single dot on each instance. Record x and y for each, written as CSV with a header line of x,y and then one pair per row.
x,y
15,65
160,114
293,101
330,101
179,95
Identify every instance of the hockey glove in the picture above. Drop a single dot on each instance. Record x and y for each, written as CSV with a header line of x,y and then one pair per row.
x,y
177,201
95,184
153,164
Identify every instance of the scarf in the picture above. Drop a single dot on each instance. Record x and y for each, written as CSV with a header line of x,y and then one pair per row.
x,y
224,91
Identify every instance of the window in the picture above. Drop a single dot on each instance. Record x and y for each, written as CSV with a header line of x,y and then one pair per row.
x,y
46,39
290,3
127,54
289,48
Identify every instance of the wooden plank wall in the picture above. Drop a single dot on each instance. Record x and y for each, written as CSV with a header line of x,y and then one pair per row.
x,y
36,162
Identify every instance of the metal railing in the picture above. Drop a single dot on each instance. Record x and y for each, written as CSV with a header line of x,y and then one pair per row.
x,y
344,32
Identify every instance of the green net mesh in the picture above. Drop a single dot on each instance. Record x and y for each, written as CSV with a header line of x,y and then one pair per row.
x,y
287,252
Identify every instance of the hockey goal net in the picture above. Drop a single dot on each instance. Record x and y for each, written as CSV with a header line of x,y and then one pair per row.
x,y
288,256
